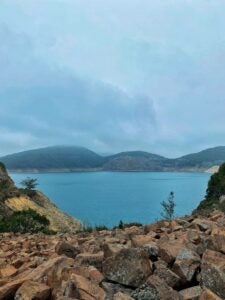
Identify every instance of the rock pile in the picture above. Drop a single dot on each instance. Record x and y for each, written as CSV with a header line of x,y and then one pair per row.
x,y
184,259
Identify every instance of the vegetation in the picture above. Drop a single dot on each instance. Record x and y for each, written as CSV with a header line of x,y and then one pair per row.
x,y
216,189
78,158
26,221
87,227
29,183
168,207
123,225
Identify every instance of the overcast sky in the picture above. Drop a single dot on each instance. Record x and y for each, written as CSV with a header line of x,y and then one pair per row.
x,y
112,75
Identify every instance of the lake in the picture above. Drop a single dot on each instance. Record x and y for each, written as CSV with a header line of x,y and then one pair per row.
x,y
108,197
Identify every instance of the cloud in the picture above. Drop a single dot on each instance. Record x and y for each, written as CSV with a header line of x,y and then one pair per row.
x,y
38,110
87,74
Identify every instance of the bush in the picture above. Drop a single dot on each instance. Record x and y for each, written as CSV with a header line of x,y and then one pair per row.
x,y
26,221
122,225
216,189
168,207
87,227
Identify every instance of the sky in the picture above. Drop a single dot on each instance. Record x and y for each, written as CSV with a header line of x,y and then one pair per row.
x,y
112,75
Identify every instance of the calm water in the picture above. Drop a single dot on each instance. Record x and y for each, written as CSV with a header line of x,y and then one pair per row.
x,y
108,197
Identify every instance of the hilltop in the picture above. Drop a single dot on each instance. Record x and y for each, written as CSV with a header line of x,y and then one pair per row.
x,y
71,158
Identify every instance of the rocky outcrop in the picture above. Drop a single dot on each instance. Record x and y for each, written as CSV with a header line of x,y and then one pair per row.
x,y
13,199
136,263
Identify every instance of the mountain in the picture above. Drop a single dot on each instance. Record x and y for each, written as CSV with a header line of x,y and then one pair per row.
x,y
203,160
67,158
71,158
134,161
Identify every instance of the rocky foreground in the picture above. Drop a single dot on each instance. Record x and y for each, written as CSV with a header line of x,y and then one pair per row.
x,y
181,260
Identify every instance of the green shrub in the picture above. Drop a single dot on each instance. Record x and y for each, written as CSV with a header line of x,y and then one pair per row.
x,y
26,221
123,225
100,227
168,207
216,188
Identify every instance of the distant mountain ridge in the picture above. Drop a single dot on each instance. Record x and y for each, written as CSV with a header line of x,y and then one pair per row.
x,y
73,158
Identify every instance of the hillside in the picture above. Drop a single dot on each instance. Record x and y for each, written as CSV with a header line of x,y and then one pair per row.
x,y
215,194
134,161
71,158
66,158
202,160
14,202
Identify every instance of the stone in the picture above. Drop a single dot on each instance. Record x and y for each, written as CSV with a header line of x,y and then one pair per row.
x,y
8,290
85,289
8,271
64,248
155,289
217,240
90,273
141,240
208,295
168,250
112,249
112,289
152,249
213,272
193,236
202,224
129,267
93,259
122,296
31,290
192,293
163,272
186,264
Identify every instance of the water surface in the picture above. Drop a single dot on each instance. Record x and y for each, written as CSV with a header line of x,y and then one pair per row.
x,y
108,197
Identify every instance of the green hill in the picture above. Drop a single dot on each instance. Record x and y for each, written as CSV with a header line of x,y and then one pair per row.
x,y
134,161
71,158
203,159
66,158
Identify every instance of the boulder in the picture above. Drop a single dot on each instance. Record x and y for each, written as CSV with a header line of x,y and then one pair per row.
x,y
155,289
192,293
163,272
90,273
193,236
141,240
129,267
112,289
8,290
90,259
31,290
84,289
208,295
186,264
8,271
112,249
122,296
213,272
217,240
152,249
64,248
168,250
203,224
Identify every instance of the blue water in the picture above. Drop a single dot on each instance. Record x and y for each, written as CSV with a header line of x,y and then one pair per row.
x,y
108,197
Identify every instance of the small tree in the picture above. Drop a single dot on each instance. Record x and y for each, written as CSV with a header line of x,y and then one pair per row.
x,y
29,183
168,207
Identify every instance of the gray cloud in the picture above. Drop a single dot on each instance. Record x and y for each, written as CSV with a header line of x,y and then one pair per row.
x,y
86,74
